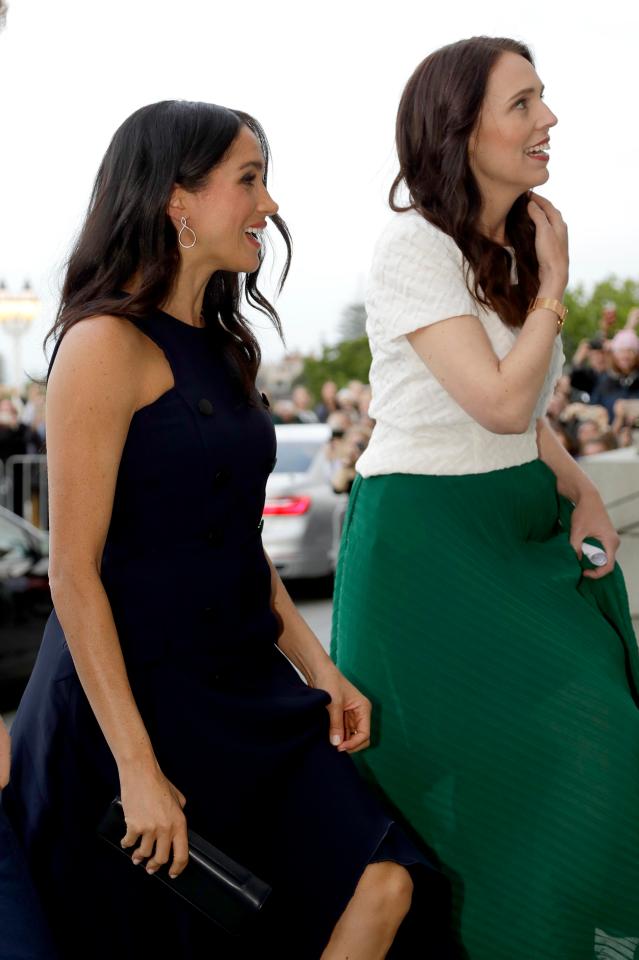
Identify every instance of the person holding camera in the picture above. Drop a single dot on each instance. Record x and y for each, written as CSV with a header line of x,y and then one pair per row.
x,y
590,360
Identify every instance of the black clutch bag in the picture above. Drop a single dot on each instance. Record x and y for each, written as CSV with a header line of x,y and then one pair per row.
x,y
225,892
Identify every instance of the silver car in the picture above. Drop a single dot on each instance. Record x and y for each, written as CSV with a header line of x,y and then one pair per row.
x,y
302,515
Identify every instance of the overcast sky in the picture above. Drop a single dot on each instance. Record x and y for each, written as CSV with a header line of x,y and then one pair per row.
x,y
324,80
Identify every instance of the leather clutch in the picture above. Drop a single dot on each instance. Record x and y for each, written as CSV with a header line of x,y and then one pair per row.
x,y
224,891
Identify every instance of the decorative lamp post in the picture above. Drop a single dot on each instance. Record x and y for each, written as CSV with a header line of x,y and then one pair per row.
x,y
17,313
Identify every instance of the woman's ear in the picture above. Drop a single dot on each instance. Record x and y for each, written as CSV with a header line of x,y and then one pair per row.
x,y
176,208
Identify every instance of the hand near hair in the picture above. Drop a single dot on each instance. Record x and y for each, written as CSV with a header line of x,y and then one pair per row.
x,y
551,244
5,755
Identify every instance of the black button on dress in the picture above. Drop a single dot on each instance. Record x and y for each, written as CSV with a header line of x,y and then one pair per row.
x,y
230,721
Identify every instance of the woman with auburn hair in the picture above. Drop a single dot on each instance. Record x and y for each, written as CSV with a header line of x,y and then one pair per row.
x,y
502,663
161,675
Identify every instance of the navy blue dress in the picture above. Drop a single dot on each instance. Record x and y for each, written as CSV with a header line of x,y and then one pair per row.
x,y
231,723
23,935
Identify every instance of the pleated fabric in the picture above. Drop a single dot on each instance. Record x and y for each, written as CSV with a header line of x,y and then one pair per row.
x,y
505,686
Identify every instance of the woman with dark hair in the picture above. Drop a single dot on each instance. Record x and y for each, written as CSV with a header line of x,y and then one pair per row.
x,y
161,675
503,665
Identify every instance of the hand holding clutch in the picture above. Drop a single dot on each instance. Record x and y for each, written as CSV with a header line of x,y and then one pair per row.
x,y
227,893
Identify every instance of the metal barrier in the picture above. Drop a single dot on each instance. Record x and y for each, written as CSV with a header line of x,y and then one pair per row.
x,y
24,489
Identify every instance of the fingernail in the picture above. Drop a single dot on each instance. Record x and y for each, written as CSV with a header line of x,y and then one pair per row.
x,y
173,876
336,739
136,860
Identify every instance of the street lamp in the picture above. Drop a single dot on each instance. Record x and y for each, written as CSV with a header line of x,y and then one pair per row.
x,y
17,313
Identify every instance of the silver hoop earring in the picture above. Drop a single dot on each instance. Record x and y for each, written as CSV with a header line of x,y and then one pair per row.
x,y
184,226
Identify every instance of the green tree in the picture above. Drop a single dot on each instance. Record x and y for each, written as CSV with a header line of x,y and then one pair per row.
x,y
348,359
341,362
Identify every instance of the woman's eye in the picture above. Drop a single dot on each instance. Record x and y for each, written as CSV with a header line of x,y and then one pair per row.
x,y
249,178
521,104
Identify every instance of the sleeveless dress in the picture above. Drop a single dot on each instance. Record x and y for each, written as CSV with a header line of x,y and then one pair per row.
x,y
23,934
505,684
231,723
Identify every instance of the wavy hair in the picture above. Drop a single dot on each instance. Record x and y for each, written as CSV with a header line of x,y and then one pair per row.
x,y
438,112
127,231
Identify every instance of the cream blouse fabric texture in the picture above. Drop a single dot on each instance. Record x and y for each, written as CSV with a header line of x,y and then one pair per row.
x,y
418,278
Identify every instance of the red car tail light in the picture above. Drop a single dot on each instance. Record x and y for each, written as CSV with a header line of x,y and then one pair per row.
x,y
286,506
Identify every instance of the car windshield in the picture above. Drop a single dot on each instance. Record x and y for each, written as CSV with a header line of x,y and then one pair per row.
x,y
295,457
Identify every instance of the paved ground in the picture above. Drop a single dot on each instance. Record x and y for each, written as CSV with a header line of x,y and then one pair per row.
x,y
314,602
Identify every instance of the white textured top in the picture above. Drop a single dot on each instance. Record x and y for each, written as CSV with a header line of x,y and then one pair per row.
x,y
418,278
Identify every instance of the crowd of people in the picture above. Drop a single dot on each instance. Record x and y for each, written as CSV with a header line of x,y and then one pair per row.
x,y
345,411
595,406
22,432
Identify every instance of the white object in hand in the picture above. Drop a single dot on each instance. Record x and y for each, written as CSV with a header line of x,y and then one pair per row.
x,y
594,554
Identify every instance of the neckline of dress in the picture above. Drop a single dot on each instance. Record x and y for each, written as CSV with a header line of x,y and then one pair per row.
x,y
182,323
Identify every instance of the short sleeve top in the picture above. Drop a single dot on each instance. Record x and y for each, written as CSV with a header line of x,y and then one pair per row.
x,y
417,278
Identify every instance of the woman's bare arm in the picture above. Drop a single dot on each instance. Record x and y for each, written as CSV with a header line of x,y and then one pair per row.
x,y
590,517
96,385
349,710
501,395
572,482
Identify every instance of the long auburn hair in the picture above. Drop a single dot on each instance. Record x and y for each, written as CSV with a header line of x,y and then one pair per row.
x,y
439,110
128,232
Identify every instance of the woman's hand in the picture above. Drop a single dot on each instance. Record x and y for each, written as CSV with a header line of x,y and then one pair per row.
x,y
551,244
153,814
349,710
5,755
590,519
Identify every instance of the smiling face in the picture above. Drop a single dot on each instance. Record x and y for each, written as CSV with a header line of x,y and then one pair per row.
x,y
508,150
229,213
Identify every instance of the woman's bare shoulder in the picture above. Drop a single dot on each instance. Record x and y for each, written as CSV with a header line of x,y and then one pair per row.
x,y
99,352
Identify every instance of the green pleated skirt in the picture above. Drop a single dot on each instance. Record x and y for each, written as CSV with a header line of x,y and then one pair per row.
x,y
505,695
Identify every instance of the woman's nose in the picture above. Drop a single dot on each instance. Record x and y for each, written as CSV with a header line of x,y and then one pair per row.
x,y
268,205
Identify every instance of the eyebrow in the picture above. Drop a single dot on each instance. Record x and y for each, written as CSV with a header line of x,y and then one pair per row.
x,y
256,164
527,90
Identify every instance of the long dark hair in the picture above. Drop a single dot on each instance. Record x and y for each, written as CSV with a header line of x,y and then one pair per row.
x,y
438,111
128,232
